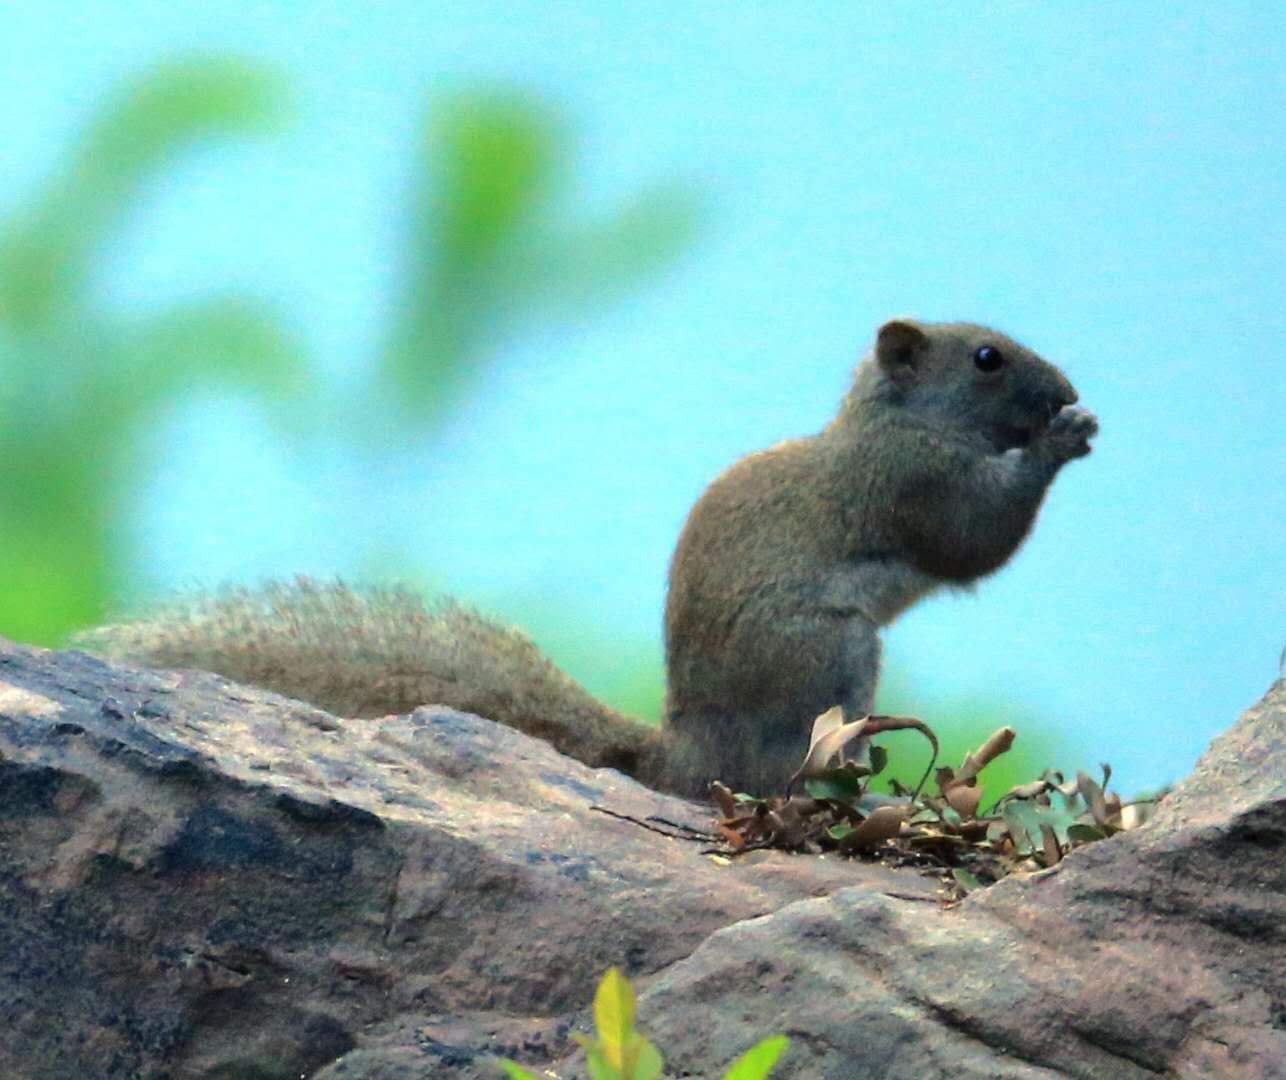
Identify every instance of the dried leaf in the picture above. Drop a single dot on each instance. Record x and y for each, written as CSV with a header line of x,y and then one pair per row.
x,y
883,824
1051,851
964,799
944,841
1136,813
828,745
734,839
1026,791
723,799
825,724
1032,826
779,830
974,763
1113,806
877,725
1093,796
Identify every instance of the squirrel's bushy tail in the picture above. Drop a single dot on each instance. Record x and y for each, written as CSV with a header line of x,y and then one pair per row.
x,y
371,651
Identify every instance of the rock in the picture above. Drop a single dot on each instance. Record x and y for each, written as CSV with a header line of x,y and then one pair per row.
x,y
202,879
1158,952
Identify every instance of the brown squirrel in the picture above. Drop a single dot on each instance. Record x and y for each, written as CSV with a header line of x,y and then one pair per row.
x,y
931,475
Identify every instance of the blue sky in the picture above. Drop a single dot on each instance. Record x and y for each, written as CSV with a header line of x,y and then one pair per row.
x,y
1101,181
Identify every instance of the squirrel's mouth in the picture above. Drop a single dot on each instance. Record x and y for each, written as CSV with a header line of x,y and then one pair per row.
x,y
1018,436
1008,437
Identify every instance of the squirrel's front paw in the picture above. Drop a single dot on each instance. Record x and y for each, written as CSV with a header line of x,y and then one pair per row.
x,y
1069,433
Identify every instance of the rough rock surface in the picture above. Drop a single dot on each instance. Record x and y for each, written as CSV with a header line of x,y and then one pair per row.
x,y
200,879
1159,952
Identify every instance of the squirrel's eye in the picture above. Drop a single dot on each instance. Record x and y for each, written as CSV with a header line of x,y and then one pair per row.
x,y
989,358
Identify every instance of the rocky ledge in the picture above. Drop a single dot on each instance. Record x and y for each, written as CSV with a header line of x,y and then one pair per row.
x,y
199,879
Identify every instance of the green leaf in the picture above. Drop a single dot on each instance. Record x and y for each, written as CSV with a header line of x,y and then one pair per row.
x,y
965,879
648,1064
1024,826
1084,834
599,1066
614,1016
844,783
516,1072
757,1062
879,759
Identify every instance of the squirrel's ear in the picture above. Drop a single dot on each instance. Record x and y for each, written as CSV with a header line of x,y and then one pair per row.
x,y
898,346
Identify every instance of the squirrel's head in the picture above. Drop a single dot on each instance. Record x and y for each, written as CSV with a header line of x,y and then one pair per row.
x,y
963,375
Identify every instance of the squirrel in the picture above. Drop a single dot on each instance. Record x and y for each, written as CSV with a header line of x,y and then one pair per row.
x,y
931,475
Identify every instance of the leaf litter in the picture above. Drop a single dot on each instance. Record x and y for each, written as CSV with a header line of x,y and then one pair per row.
x,y
944,830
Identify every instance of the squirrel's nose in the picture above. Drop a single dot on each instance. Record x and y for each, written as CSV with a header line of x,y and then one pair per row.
x,y
1066,394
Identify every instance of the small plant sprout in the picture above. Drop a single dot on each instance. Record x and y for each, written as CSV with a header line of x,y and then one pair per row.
x,y
621,1053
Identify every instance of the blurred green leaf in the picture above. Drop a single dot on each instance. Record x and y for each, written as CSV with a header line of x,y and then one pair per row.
x,y
757,1062
55,576
517,1072
487,247
490,246
48,249
648,1064
493,159
227,341
596,264
614,1013
78,383
488,165
598,1065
